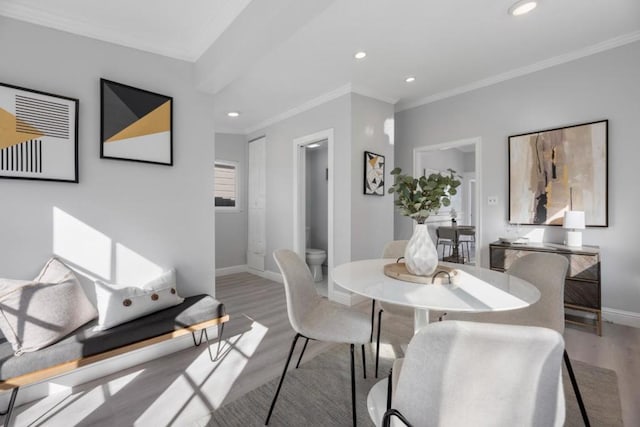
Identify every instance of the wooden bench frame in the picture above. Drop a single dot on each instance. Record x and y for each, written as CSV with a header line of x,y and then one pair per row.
x,y
53,371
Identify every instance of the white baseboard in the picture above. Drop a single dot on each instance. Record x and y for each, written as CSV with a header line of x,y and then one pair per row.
x,y
225,271
276,277
621,317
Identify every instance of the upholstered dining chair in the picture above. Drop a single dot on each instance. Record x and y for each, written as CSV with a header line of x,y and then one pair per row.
x,y
394,249
547,272
316,318
464,373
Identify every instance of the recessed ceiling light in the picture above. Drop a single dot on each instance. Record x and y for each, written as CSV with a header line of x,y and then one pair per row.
x,y
522,7
314,145
233,114
410,79
360,55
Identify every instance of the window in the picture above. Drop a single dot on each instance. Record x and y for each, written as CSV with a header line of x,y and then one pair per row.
x,y
226,185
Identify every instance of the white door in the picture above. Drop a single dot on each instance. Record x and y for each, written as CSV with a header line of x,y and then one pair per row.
x,y
256,246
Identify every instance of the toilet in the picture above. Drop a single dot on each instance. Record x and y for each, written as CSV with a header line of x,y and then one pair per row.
x,y
315,258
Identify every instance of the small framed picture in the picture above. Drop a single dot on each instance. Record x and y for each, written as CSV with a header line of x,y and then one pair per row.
x,y
373,174
38,135
135,124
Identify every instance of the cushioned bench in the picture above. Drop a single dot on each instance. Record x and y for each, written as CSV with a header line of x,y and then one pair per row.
x,y
85,346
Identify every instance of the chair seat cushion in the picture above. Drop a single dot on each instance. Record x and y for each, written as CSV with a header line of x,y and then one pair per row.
x,y
333,322
85,341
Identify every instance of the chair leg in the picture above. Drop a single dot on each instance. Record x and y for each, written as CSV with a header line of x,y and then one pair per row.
x,y
353,386
275,397
302,353
373,310
9,411
576,390
364,364
378,341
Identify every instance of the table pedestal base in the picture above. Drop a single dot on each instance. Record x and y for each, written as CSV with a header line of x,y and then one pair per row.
x,y
420,319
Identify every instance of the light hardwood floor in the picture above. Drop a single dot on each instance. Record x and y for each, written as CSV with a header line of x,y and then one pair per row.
x,y
184,388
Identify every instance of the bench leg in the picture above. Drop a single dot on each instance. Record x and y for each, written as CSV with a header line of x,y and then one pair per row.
x,y
203,332
7,413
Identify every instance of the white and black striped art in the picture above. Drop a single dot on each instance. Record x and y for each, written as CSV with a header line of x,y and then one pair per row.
x,y
38,135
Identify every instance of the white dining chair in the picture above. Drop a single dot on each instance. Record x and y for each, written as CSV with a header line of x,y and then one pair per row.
x,y
547,272
466,374
316,318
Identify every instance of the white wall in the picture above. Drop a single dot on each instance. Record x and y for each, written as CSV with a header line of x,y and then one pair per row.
x,y
602,86
124,219
371,216
231,227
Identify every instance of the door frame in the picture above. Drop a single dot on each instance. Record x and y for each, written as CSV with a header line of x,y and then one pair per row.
x,y
299,198
477,142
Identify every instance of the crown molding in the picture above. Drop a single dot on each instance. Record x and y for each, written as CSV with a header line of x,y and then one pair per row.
x,y
84,29
370,93
229,130
329,96
529,69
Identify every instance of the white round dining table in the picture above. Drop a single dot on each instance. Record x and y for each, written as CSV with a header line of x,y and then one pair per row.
x,y
475,289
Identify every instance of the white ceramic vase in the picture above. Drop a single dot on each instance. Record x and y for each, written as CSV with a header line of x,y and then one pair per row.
x,y
421,256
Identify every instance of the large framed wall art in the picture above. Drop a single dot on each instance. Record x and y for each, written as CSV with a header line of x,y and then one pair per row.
x,y
556,170
38,135
373,174
135,124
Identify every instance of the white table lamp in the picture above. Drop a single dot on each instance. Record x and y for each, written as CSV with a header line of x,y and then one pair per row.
x,y
574,220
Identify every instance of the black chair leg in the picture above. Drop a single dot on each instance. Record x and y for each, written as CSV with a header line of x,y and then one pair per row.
x,y
373,309
302,353
576,390
364,364
378,341
9,411
275,397
353,385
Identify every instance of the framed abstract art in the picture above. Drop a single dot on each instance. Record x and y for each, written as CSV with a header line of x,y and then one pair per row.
x,y
38,135
373,174
556,170
135,124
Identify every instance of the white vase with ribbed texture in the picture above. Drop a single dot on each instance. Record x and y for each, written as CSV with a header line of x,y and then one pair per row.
x,y
421,256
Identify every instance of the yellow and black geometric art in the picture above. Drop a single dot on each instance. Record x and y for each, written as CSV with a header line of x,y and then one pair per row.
x,y
136,124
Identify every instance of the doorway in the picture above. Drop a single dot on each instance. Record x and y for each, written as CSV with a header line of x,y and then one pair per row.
x,y
315,214
463,156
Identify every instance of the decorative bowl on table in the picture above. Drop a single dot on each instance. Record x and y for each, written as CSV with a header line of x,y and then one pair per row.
x,y
441,276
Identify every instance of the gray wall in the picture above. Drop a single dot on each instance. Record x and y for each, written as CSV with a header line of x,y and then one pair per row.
x,y
362,224
601,86
334,115
371,216
231,227
122,214
317,197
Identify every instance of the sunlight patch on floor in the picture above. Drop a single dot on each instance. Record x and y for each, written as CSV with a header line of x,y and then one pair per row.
x,y
204,385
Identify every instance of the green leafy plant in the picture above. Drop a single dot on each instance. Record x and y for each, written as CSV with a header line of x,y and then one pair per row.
x,y
418,198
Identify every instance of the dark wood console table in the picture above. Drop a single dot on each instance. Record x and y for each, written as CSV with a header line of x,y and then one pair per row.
x,y
582,285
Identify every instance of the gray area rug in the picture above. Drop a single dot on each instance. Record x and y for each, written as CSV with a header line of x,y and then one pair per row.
x,y
319,394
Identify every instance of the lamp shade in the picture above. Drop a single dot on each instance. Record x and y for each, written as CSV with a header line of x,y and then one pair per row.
x,y
574,220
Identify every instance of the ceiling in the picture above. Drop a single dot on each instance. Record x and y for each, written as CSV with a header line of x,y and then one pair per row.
x,y
270,59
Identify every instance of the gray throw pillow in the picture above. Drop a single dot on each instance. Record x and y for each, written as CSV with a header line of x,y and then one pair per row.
x,y
37,313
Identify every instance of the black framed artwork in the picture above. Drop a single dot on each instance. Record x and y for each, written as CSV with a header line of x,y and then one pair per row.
x,y
135,124
556,170
38,135
373,174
